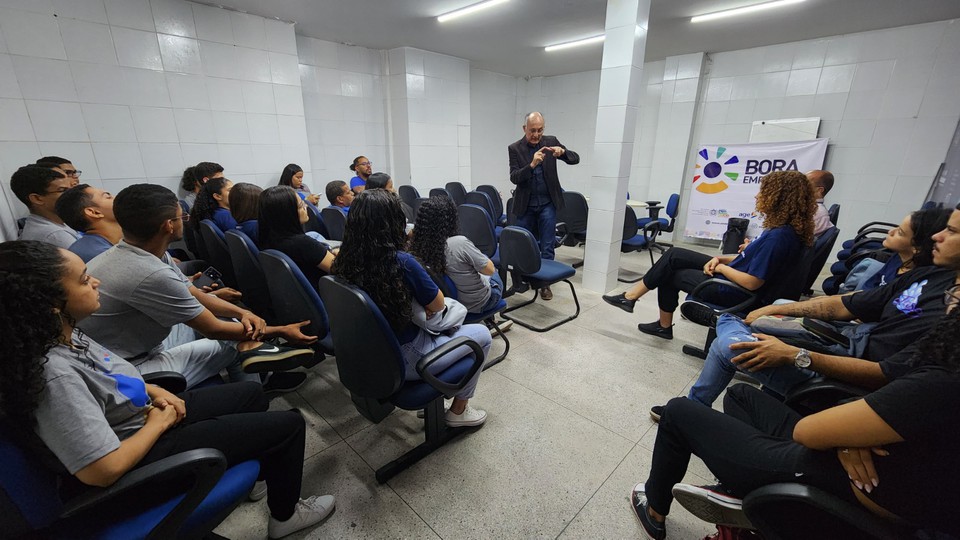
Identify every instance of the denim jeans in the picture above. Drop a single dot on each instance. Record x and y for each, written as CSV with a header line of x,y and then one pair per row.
x,y
719,369
496,294
542,222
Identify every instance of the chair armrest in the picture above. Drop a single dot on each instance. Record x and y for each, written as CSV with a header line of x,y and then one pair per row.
x,y
652,203
875,224
171,381
714,282
445,388
651,230
203,466
823,393
654,211
877,254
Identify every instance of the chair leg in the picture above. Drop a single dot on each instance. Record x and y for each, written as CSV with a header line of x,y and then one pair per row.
x,y
506,342
536,294
702,353
437,435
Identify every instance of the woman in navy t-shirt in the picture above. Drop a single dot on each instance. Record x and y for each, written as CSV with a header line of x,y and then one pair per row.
x,y
787,203
373,259
213,203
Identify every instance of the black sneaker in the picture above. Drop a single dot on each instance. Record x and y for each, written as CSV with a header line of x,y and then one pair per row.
x,y
270,357
654,329
655,412
701,314
638,501
281,382
712,504
621,301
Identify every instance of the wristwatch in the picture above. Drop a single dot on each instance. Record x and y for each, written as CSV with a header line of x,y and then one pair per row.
x,y
802,359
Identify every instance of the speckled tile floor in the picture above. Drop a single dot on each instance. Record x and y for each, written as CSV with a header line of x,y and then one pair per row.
x,y
568,435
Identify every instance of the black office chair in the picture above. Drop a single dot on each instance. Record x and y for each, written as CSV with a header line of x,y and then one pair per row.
x,y
834,213
572,221
295,299
439,192
457,191
245,257
408,194
371,366
822,247
520,256
638,239
335,222
499,217
217,252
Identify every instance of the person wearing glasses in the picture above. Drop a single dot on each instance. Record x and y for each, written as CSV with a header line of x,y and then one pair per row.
x,y
364,168
61,164
893,317
39,187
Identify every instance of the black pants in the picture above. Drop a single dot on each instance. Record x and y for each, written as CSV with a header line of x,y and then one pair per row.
x,y
233,418
748,447
682,270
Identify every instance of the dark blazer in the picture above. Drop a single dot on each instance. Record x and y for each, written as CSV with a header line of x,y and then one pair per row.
x,y
521,174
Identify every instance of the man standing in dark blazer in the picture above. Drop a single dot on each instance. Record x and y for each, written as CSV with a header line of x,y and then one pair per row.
x,y
538,196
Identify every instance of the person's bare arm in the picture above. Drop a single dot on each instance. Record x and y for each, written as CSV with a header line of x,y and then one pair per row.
x,y
218,306
825,308
327,263
851,424
743,279
489,269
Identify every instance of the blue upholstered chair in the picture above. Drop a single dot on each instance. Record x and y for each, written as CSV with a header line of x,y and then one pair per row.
x,y
822,247
475,224
637,238
217,254
335,222
253,284
520,256
572,221
488,317
666,225
457,191
499,217
31,506
372,368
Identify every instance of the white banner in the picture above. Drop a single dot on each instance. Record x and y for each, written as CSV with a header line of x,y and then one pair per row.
x,y
727,178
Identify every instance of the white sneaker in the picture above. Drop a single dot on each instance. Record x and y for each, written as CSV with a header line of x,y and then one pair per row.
x,y
504,324
308,512
469,417
258,492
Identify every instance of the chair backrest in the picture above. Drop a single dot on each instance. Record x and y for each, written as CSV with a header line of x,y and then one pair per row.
x,y
821,250
476,225
511,219
457,191
494,194
246,263
440,192
673,206
408,194
368,355
416,206
28,490
335,222
791,283
629,223
834,213
315,222
483,201
217,253
574,212
519,251
294,298
408,212
189,234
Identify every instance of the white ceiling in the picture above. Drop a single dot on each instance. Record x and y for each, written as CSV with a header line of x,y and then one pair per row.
x,y
509,38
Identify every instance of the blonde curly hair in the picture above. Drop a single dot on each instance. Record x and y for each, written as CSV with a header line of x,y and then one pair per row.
x,y
787,198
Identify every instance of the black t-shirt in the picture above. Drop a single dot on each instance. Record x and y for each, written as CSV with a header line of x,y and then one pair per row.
x,y
919,479
307,253
904,309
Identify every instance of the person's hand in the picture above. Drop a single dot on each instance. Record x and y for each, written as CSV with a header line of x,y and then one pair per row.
x,y
313,198
743,246
539,155
167,417
230,295
292,333
767,352
760,312
858,462
711,265
558,151
162,399
254,327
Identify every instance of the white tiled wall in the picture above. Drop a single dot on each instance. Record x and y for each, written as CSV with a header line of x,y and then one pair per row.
x,y
887,99
343,101
494,125
135,90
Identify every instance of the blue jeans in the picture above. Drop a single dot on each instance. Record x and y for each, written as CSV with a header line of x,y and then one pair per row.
x,y
719,369
542,222
496,294
425,342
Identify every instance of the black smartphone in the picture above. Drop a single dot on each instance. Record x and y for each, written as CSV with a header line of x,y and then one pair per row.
x,y
210,276
825,331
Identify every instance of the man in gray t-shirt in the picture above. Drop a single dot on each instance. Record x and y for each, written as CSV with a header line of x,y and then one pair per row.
x,y
39,187
470,271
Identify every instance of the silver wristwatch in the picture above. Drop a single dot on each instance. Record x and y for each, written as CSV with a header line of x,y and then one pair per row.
x,y
802,359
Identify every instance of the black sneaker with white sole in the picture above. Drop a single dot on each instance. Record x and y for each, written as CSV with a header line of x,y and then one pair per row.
x,y
712,504
638,501
699,313
281,382
655,412
270,357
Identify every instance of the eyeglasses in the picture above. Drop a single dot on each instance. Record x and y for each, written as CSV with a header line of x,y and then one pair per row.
x,y
75,174
952,295
365,163
57,191
184,217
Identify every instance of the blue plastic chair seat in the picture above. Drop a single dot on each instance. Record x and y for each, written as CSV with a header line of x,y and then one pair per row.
x,y
477,317
551,272
637,241
415,395
644,220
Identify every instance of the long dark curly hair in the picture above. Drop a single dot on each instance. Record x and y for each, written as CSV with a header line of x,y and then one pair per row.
x,y
368,256
30,295
437,220
205,205
925,224
939,345
787,198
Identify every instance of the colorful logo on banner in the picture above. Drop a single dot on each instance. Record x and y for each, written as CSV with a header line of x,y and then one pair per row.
x,y
711,178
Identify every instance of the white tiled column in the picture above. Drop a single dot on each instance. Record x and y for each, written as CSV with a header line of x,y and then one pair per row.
x,y
617,110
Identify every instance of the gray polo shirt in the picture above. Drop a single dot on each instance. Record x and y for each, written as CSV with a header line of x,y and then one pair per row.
x,y
43,230
141,298
464,262
91,400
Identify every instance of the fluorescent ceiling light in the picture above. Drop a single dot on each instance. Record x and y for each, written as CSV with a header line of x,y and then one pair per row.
x,y
468,10
743,10
579,42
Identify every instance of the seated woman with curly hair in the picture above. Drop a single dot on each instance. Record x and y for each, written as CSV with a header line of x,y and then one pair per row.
x,y
372,258
437,243
62,392
787,203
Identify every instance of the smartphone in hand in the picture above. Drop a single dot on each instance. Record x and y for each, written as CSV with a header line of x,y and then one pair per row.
x,y
209,277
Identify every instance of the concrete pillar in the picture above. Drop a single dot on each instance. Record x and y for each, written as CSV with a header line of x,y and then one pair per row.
x,y
617,110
